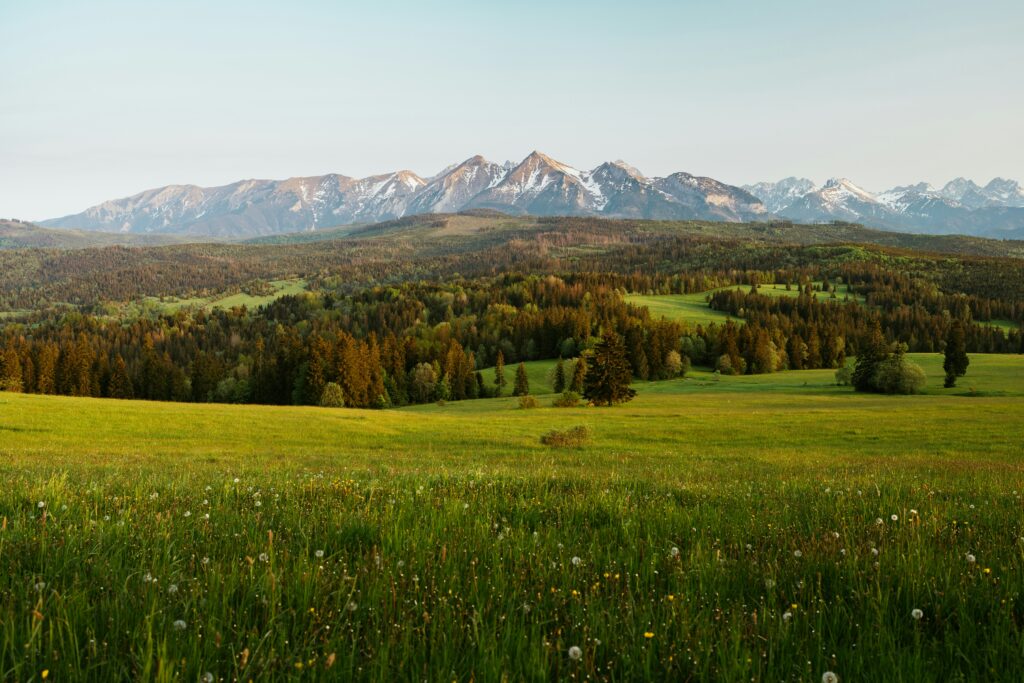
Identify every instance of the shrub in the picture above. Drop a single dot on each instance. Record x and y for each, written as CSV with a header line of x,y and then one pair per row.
x,y
844,376
898,375
527,402
331,397
568,399
574,437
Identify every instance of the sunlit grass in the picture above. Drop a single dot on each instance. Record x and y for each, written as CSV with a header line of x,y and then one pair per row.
x,y
766,528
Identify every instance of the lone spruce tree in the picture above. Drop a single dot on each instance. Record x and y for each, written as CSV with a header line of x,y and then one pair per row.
x,y
956,361
558,382
609,373
872,353
499,372
522,386
579,375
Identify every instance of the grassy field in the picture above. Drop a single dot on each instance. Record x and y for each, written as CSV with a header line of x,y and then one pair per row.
x,y
281,288
768,528
694,309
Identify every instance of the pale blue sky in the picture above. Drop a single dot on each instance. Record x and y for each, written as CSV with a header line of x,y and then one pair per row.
x,y
103,99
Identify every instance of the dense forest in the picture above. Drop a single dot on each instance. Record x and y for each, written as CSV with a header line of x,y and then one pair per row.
x,y
412,311
425,341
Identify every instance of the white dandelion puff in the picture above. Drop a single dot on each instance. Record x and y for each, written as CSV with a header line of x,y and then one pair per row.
x,y
829,677
916,614
319,553
575,653
179,625
576,561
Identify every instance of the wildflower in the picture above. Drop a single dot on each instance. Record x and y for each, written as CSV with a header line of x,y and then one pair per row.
x,y
576,560
147,578
971,559
879,521
829,677
173,589
874,551
916,614
206,560
40,586
787,615
41,505
187,513
575,653
894,518
45,674
237,480
913,511
319,553
264,557
674,552
179,624
351,606
798,553
648,635
207,677
206,516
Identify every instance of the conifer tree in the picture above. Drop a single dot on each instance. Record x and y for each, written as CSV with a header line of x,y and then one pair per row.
x,y
522,385
608,373
871,354
956,360
10,370
579,375
499,372
558,381
120,383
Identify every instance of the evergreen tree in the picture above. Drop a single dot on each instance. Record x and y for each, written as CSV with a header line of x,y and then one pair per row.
x,y
608,373
522,386
120,385
558,381
499,372
579,375
956,360
872,353
10,371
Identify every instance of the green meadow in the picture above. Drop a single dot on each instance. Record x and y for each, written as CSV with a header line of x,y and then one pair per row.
x,y
169,304
769,527
694,309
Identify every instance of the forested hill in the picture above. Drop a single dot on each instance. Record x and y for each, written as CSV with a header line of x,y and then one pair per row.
x,y
438,246
414,310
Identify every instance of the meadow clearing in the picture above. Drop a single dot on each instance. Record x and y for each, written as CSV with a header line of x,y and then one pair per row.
x,y
770,527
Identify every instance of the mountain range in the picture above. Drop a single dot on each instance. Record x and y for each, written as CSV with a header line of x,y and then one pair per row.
x,y
539,185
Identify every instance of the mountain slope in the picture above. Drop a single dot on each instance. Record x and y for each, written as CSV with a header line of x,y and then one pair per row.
x,y
538,185
961,206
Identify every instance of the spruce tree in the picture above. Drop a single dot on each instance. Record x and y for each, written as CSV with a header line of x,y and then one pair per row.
x,y
956,360
608,373
522,386
120,383
871,354
558,381
499,372
579,375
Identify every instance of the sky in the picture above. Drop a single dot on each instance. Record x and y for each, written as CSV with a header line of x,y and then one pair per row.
x,y
103,99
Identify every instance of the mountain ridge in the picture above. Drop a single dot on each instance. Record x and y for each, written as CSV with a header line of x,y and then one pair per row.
x,y
543,186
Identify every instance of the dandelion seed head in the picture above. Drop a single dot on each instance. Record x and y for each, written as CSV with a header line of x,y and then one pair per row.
x,y
319,553
179,625
894,518
829,677
674,552
172,589
971,559
41,504
916,614
576,561
575,653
